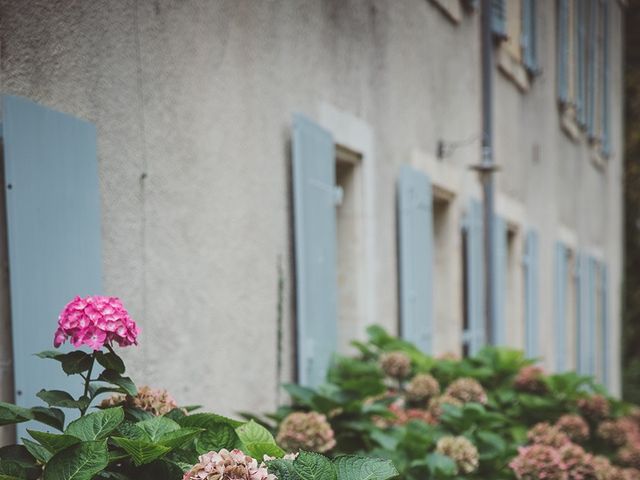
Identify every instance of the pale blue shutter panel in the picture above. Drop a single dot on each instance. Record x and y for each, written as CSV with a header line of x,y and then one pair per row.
x,y
315,248
605,328
500,271
580,9
560,304
53,225
499,18
562,50
475,277
591,69
592,344
528,41
586,316
415,222
532,332
606,141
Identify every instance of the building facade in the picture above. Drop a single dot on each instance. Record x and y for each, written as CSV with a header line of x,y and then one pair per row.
x,y
272,177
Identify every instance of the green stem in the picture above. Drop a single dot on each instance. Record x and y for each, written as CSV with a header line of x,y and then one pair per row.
x,y
87,381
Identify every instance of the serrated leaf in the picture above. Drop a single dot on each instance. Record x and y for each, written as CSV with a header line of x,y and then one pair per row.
x,y
75,362
79,462
260,449
157,426
282,469
38,451
222,436
141,452
11,414
207,420
440,465
112,376
53,442
354,467
54,417
96,425
313,466
257,441
110,361
59,398
177,438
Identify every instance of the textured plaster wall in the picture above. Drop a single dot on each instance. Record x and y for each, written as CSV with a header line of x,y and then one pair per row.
x,y
193,100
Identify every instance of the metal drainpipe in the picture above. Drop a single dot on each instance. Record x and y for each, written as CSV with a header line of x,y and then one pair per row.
x,y
487,166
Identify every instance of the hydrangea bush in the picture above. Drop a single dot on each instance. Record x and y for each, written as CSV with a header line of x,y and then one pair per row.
x,y
496,415
142,433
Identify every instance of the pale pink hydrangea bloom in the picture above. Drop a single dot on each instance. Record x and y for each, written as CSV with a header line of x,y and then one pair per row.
x,y
545,434
613,432
306,431
594,408
95,321
604,470
461,451
436,403
225,465
395,365
578,463
629,455
467,390
574,426
155,401
539,462
421,388
530,379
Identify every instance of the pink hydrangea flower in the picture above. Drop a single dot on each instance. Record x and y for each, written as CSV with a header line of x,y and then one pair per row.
x,y
228,465
95,321
539,461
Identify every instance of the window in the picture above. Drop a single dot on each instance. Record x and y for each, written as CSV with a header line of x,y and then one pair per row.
x,y
514,25
582,70
349,245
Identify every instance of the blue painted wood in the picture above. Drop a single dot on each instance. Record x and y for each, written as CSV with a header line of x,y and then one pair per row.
x,y
315,248
54,236
591,68
499,18
475,277
560,306
415,222
606,140
592,343
605,327
586,316
529,31
581,56
562,52
531,264
499,329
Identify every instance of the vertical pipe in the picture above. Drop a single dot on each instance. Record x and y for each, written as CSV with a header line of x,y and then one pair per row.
x,y
487,167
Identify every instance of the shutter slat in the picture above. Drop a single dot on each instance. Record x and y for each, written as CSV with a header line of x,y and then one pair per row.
x,y
605,328
415,219
54,233
562,50
500,271
560,284
315,249
531,295
591,79
606,141
499,18
529,35
475,280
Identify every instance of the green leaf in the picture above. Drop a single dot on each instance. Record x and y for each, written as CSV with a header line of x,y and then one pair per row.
x,y
96,425
54,417
38,451
11,414
157,426
177,438
142,452
353,467
222,436
110,361
282,469
59,398
112,376
257,441
301,395
207,420
79,462
75,362
53,354
441,465
53,442
313,466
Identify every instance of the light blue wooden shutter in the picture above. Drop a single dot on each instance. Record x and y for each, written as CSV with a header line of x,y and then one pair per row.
x,y
560,305
415,221
528,41
591,69
500,272
606,141
580,18
475,336
604,333
315,247
499,18
53,225
562,50
532,331
586,315
592,344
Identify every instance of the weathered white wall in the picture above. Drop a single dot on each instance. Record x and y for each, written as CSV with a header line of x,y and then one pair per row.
x,y
192,100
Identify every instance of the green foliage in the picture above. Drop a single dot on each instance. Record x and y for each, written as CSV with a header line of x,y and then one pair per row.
x,y
127,443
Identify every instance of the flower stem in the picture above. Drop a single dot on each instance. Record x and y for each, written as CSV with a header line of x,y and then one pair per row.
x,y
87,380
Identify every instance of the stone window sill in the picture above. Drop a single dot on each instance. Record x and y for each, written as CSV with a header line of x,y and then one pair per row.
x,y
451,9
513,69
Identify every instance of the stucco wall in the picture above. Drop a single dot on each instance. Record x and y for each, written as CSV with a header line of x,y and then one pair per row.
x,y
193,102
